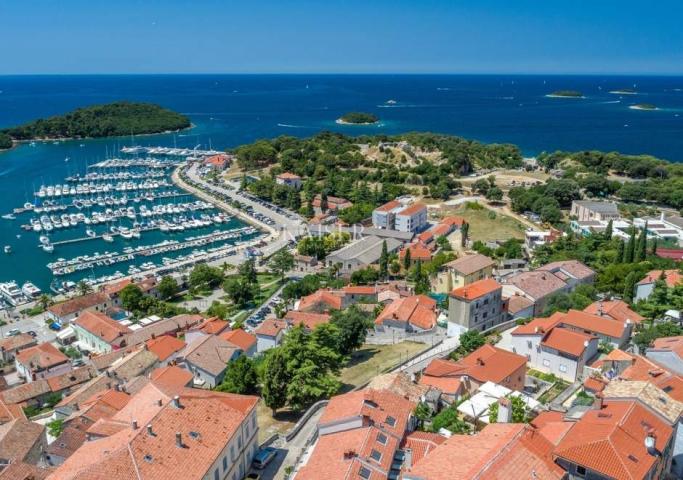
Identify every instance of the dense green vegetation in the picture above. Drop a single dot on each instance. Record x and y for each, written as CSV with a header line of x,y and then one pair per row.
x,y
546,199
566,93
5,141
359,118
113,119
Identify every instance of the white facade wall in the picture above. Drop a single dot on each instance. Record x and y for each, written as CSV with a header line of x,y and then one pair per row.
x,y
25,371
411,223
549,360
234,461
265,342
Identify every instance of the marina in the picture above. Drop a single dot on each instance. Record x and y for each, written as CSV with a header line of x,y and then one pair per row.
x,y
168,151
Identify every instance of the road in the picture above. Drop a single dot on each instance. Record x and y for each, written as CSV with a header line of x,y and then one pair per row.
x,y
419,363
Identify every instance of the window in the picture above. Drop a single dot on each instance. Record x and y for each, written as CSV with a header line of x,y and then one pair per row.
x,y
381,438
364,472
215,474
375,455
391,421
225,464
546,362
581,470
563,368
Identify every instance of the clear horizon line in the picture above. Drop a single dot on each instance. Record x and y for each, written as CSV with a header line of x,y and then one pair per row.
x,y
369,74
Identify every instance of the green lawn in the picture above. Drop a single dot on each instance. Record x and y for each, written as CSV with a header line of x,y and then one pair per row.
x,y
483,227
372,360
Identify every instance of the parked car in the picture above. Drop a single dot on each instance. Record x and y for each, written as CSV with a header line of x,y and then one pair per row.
x,y
263,457
13,332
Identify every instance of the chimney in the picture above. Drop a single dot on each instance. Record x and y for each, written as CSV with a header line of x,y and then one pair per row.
x,y
150,432
176,402
597,402
504,410
480,361
178,440
408,458
134,424
159,403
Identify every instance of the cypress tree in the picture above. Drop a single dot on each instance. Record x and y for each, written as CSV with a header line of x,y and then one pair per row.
x,y
654,247
323,202
630,248
608,230
620,252
464,232
406,259
384,261
629,286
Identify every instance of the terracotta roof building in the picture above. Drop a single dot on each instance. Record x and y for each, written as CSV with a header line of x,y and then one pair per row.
x,y
418,252
269,334
165,347
645,287
97,332
415,313
9,346
64,312
242,340
320,301
309,320
477,306
207,358
22,441
614,309
41,361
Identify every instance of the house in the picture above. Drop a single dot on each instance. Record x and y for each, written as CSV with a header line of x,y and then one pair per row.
x,y
519,306
585,210
614,309
320,301
607,330
411,219
334,204
304,263
668,352
360,293
156,435
645,287
478,305
41,362
171,378
269,334
445,228
165,347
360,253
22,441
462,271
418,253
359,436
97,332
207,358
416,313
63,313
486,364
572,272
552,349
618,440
384,216
499,451
38,391
289,179
309,320
217,162
477,407
535,238
9,346
246,342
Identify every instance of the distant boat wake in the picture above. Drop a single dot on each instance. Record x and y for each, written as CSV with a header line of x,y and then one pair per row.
x,y
289,125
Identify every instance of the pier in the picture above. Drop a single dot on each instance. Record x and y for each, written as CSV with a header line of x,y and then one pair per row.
x,y
171,152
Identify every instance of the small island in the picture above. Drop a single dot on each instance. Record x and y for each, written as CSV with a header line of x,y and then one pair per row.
x,y
643,106
97,121
565,94
357,118
5,141
624,91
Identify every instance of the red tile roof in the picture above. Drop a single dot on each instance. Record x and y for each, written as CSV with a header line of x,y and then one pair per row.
x,y
567,341
477,289
417,310
615,309
322,298
421,443
469,264
453,220
389,206
78,304
165,346
41,357
308,320
17,342
239,338
360,290
594,384
412,210
574,268
674,253
672,344
171,377
213,326
101,326
671,277
417,252
289,176
271,327
594,324
611,441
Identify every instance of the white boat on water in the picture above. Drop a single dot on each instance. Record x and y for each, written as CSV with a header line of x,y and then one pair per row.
x,y
48,247
8,249
125,233
44,239
89,232
107,238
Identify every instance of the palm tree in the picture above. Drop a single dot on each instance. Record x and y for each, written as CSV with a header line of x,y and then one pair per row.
x,y
44,301
83,288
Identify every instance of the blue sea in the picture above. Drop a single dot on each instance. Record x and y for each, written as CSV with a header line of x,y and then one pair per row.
x,y
229,110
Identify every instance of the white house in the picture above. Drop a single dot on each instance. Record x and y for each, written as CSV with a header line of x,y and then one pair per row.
x,y
269,334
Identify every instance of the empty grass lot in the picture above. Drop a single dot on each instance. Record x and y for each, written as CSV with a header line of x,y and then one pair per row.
x,y
483,227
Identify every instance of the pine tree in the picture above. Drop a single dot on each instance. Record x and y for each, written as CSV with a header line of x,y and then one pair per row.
x,y
629,286
608,231
640,252
630,248
406,259
384,261
620,252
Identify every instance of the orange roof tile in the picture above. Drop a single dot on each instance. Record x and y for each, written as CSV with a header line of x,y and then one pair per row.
x,y
593,323
447,385
476,289
615,309
322,298
567,341
164,346
417,310
417,252
421,443
360,289
611,441
308,320
213,326
240,338
671,344
77,304
453,220
271,327
412,210
101,326
389,206
41,357
671,277
289,176
594,384
172,377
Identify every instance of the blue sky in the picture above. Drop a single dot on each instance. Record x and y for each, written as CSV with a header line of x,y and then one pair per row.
x,y
366,36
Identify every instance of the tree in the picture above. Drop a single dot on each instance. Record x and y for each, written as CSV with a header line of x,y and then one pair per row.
x,y
464,232
629,286
83,288
323,202
422,413
384,261
307,210
327,335
353,324
275,379
644,338
247,271
421,279
240,291
653,251
629,251
167,288
620,252
282,262
44,301
55,427
218,309
520,413
395,267
240,377
641,246
469,342
406,259
449,418
131,297
203,275
494,194
481,186
608,230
